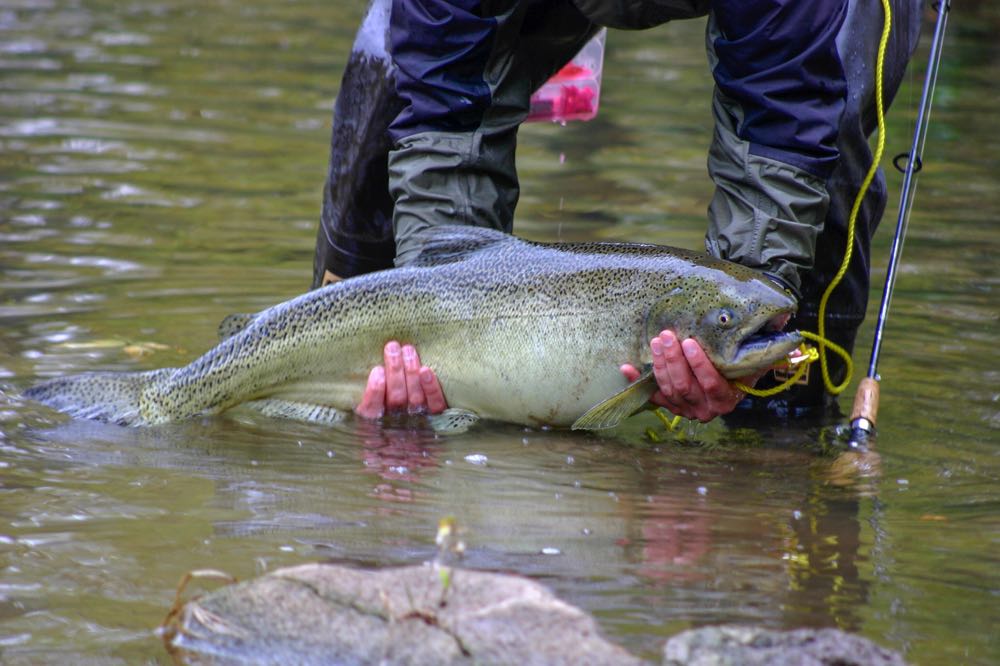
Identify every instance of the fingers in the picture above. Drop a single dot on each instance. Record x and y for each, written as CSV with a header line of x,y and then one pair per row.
x,y
689,384
425,393
680,391
402,383
712,385
630,372
414,391
395,376
432,391
372,404
720,396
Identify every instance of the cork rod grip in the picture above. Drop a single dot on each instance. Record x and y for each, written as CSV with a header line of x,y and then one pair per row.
x,y
866,400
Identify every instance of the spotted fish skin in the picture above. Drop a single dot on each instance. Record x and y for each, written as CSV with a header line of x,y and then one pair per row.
x,y
529,333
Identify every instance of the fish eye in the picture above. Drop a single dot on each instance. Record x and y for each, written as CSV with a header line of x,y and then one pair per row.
x,y
725,317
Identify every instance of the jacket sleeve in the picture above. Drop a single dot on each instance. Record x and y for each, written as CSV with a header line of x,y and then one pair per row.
x,y
779,96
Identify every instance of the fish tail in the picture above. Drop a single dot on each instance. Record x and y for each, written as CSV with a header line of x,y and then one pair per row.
x,y
111,397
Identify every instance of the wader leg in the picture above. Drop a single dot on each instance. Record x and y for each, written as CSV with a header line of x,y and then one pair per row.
x,y
847,305
356,233
355,229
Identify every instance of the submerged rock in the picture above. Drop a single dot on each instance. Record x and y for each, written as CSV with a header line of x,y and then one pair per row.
x,y
755,646
329,614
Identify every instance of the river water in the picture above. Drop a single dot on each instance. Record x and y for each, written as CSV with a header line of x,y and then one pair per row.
x,y
161,165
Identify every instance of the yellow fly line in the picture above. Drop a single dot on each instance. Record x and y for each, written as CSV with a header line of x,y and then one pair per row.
x,y
808,354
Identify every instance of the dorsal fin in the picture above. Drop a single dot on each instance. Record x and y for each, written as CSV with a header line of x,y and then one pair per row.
x,y
454,242
235,323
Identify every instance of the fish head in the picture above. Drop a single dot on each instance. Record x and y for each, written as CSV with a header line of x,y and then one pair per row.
x,y
736,314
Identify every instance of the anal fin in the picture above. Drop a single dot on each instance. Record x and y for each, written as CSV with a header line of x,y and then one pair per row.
x,y
297,411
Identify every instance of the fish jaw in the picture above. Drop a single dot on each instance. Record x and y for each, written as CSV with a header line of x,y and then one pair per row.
x,y
760,351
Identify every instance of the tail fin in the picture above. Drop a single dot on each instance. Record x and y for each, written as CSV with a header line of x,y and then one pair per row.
x,y
111,397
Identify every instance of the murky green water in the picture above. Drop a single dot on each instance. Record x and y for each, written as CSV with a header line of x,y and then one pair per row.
x,y
161,166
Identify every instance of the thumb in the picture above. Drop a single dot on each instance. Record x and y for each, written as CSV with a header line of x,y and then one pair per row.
x,y
630,372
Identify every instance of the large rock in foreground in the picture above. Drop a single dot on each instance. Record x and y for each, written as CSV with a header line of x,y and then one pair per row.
x,y
327,614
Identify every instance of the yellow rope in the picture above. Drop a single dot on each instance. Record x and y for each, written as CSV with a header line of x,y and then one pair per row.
x,y
808,355
670,421
880,147
820,339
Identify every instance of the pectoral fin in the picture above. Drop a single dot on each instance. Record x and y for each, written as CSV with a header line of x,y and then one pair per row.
x,y
620,406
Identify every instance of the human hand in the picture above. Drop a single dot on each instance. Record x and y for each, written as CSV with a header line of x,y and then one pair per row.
x,y
689,385
402,383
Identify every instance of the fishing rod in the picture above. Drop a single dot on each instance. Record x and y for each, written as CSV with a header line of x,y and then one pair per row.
x,y
866,400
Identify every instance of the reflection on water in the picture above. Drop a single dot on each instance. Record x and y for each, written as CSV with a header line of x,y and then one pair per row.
x,y
650,539
161,167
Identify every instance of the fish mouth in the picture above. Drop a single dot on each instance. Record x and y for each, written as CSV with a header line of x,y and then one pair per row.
x,y
763,347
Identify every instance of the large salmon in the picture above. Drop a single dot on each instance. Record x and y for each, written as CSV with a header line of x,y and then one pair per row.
x,y
525,332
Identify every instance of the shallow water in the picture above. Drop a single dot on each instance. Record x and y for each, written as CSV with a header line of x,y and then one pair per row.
x,y
161,167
